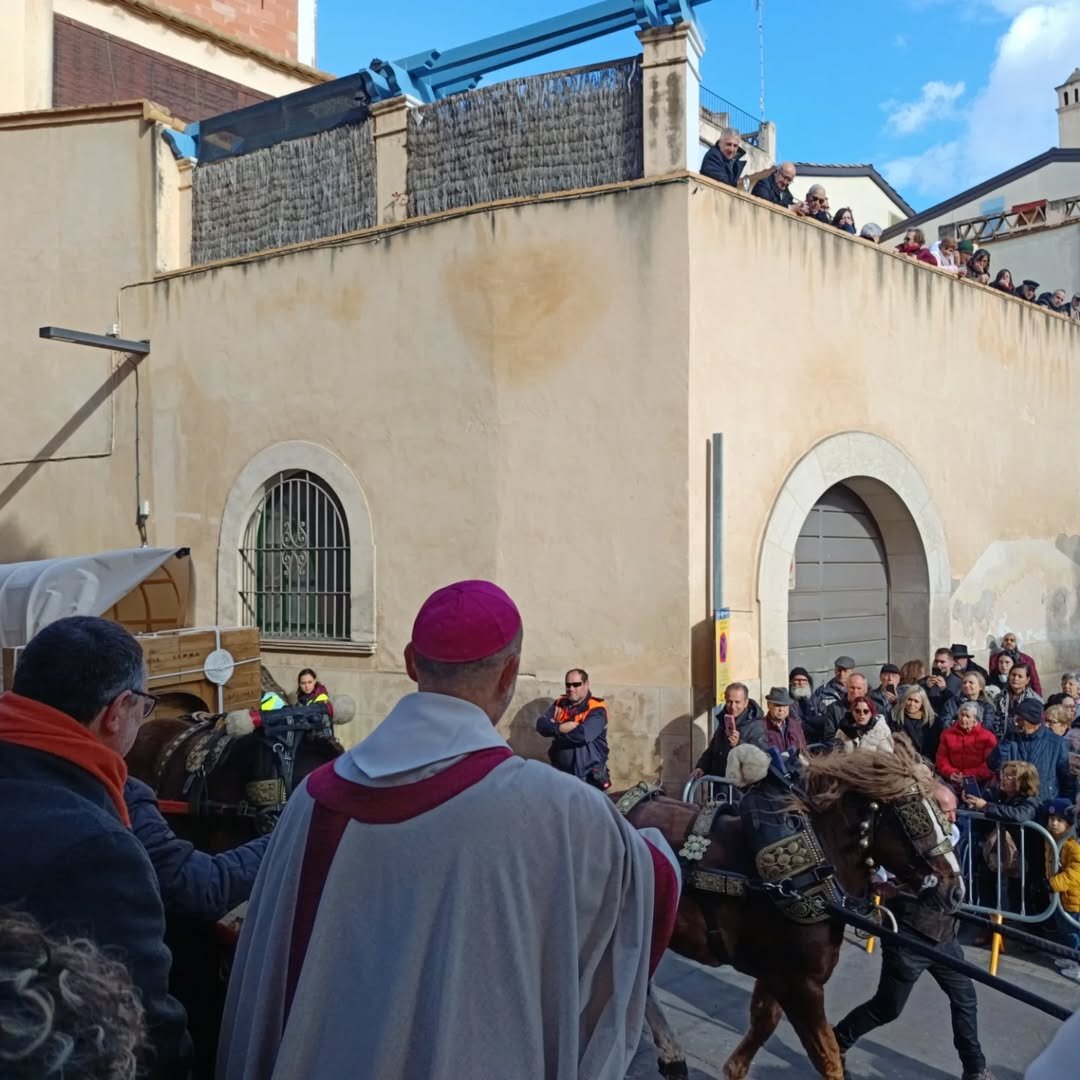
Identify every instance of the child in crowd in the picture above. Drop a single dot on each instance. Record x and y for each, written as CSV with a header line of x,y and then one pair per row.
x,y
1060,817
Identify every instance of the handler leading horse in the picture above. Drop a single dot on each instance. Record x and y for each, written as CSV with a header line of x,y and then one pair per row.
x,y
860,811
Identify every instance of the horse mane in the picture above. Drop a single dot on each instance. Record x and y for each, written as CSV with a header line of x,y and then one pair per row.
x,y
878,775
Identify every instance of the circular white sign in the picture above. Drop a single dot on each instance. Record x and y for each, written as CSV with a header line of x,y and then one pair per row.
x,y
219,667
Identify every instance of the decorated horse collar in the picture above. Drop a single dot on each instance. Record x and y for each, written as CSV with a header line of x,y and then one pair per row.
x,y
916,813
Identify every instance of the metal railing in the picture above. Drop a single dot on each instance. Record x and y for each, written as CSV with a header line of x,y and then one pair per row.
x,y
711,791
723,114
1004,223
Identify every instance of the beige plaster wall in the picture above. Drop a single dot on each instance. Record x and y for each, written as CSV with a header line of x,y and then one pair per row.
x,y
509,389
25,55
67,441
845,337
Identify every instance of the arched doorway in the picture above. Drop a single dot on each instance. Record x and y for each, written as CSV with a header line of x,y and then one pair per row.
x,y
889,486
839,605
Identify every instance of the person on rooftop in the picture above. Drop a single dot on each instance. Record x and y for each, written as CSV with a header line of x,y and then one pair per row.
x,y
1026,290
1003,282
844,220
871,231
978,267
726,160
1057,301
816,205
775,187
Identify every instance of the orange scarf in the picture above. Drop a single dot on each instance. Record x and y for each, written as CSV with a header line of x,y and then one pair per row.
x,y
26,722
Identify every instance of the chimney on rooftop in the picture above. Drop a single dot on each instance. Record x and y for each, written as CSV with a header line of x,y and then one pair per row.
x,y
1068,95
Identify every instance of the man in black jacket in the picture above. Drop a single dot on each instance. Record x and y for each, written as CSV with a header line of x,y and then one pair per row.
x,y
739,720
69,856
941,684
774,187
901,968
725,161
576,723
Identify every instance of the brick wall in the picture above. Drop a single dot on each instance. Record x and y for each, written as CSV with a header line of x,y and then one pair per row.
x,y
91,67
270,24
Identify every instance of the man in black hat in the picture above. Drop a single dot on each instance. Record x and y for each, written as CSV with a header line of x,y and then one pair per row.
x,y
1027,290
964,661
783,729
885,694
817,717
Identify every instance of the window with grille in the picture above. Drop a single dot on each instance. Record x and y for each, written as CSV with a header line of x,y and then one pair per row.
x,y
294,562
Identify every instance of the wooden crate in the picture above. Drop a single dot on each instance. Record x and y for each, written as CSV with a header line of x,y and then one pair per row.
x,y
175,658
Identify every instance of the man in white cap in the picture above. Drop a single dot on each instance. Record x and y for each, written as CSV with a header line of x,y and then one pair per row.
x,y
433,906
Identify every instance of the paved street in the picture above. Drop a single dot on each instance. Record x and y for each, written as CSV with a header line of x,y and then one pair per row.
x,y
707,1007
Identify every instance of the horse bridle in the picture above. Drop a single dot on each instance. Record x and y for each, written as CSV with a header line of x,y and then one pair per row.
x,y
920,819
282,730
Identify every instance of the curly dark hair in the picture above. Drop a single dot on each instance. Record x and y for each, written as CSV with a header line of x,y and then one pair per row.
x,y
66,1009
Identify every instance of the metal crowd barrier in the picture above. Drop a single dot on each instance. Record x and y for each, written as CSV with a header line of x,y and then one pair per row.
x,y
999,893
711,791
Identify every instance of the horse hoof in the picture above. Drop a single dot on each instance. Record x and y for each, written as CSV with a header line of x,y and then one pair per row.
x,y
674,1070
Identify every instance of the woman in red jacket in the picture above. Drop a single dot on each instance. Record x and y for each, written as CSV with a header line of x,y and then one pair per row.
x,y
965,747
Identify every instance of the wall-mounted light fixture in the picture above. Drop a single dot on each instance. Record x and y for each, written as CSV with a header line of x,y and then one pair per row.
x,y
136,350
96,341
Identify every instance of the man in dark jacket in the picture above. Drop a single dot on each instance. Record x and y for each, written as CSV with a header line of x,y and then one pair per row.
x,y
69,857
941,684
885,694
783,728
964,661
901,968
838,716
816,716
774,187
192,883
738,720
725,161
1034,742
576,723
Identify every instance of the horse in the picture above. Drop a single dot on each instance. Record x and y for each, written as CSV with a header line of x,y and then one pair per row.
x,y
221,781
865,810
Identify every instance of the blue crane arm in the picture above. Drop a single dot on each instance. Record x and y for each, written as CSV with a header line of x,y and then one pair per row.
x,y
430,75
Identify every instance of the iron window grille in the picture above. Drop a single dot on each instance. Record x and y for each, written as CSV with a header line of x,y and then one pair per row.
x,y
295,571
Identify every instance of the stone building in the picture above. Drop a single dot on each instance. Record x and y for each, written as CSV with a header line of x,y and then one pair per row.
x,y
532,387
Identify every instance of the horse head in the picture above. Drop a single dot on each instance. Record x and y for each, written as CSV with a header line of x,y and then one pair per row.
x,y
878,809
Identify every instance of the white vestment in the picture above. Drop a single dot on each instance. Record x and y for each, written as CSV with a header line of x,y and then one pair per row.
x,y
502,933
1059,1060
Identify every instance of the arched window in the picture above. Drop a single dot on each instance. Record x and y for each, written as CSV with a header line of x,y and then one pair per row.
x,y
295,567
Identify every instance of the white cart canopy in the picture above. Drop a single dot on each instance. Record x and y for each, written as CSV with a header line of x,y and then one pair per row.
x,y
34,594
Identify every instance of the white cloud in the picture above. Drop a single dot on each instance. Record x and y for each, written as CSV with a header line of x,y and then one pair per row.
x,y
1012,117
936,103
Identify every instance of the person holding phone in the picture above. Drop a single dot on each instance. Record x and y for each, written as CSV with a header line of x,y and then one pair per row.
x,y
738,720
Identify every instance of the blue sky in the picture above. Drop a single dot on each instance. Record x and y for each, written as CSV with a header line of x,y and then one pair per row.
x,y
938,94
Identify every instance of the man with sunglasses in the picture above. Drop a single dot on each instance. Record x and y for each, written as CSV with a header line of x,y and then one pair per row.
x,y
816,205
576,723
70,858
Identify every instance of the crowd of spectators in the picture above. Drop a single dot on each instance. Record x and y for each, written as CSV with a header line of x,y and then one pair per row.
x,y
725,162
1008,754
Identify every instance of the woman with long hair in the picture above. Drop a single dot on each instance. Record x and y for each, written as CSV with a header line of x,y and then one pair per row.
x,y
914,717
1003,282
978,267
973,689
309,691
912,672
844,220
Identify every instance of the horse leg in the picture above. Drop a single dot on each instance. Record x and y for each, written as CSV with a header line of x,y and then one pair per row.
x,y
672,1061
804,1006
764,1016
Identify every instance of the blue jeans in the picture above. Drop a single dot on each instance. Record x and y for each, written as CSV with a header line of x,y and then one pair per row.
x,y
1068,933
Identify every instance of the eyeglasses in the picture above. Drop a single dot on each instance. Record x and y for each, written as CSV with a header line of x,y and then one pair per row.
x,y
150,702
574,685
817,198
862,712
